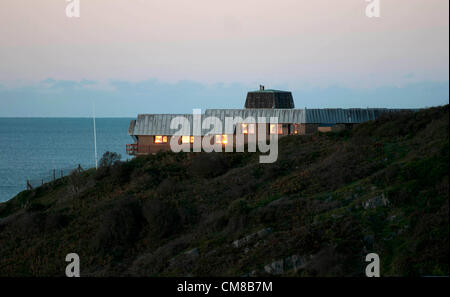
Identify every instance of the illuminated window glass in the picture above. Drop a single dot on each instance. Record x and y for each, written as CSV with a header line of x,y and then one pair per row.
x,y
185,139
221,139
248,128
251,128
276,128
192,139
158,139
244,128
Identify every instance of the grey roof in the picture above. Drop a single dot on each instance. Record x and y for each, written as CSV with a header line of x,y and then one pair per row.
x,y
159,124
345,116
283,115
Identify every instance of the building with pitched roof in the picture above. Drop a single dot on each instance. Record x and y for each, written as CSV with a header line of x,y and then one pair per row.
x,y
266,111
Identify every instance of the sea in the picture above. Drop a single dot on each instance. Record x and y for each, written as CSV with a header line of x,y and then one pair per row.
x,y
36,149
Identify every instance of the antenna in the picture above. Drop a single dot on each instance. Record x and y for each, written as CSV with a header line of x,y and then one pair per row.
x,y
95,135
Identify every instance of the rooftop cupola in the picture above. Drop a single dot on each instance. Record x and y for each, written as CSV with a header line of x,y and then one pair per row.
x,y
268,98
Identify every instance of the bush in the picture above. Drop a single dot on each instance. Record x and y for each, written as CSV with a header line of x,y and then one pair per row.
x,y
55,221
109,159
120,226
208,165
162,216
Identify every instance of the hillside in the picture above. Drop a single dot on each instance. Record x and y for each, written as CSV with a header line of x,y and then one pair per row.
x,y
329,200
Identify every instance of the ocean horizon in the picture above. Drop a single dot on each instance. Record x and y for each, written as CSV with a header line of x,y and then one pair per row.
x,y
32,147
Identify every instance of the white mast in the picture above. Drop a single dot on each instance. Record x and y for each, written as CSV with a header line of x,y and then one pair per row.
x,y
95,135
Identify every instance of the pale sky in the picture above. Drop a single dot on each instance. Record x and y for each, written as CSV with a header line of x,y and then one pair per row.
x,y
328,52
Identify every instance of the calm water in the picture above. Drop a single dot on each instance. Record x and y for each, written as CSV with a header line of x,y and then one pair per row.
x,y
30,148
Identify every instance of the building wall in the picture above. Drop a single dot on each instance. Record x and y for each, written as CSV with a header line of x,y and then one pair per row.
x,y
146,143
308,128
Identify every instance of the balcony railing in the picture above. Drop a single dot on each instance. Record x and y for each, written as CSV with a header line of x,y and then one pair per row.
x,y
139,149
132,149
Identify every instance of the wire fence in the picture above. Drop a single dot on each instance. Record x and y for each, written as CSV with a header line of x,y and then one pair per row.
x,y
51,176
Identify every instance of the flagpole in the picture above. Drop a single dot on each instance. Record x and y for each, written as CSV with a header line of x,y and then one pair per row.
x,y
95,135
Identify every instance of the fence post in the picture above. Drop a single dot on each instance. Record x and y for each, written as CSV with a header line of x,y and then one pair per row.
x,y
29,187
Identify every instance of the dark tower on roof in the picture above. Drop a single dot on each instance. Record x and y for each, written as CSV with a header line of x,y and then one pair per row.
x,y
269,99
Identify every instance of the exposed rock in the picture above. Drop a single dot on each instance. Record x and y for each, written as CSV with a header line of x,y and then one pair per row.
x,y
336,216
375,202
275,267
249,238
193,254
293,262
264,232
392,218
212,252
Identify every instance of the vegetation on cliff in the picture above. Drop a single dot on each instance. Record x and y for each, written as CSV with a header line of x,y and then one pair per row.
x,y
330,199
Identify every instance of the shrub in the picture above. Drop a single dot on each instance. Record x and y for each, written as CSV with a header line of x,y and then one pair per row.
x,y
120,226
55,221
208,165
162,217
109,159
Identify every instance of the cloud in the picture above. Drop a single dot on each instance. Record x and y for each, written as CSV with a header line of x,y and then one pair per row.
x,y
120,98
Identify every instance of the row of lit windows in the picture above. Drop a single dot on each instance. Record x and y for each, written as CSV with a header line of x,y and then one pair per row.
x,y
160,139
187,139
184,139
250,129
223,139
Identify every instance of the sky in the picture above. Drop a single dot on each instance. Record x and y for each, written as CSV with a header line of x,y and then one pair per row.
x,y
169,56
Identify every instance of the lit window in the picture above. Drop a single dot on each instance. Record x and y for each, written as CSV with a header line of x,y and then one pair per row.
x,y
248,128
221,139
276,128
185,139
192,139
251,128
160,139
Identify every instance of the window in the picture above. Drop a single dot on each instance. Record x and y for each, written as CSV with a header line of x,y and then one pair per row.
x,y
192,139
160,139
185,139
276,128
248,128
221,139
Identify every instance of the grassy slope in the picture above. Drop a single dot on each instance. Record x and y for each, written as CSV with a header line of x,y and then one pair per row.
x,y
140,217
